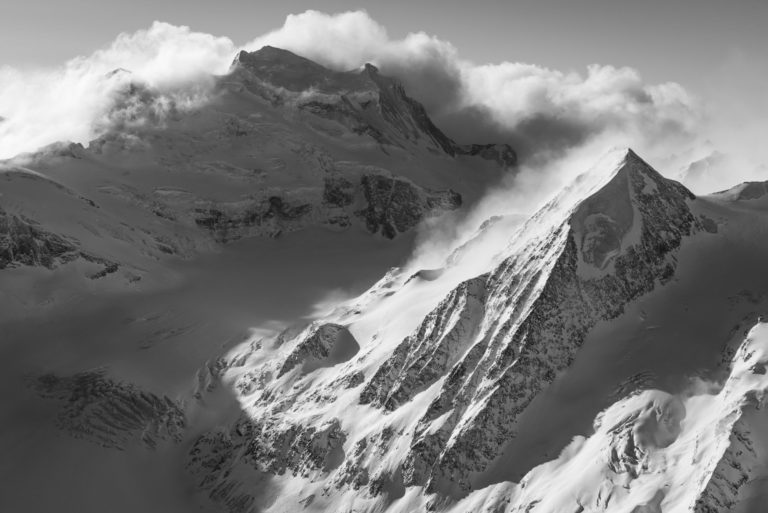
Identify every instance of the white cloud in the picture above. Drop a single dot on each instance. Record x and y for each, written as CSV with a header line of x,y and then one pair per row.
x,y
341,41
43,106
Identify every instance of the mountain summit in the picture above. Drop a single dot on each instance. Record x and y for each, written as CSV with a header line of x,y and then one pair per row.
x,y
364,101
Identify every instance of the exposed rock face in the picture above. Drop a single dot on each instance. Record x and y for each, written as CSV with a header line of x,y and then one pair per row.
x,y
276,448
110,413
396,205
22,242
232,221
426,355
503,154
321,346
338,191
223,462
391,206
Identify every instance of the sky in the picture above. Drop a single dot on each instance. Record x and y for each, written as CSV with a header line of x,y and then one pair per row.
x,y
677,40
540,74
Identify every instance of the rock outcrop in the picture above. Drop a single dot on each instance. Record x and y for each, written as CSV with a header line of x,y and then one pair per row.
x,y
23,242
111,413
426,355
395,205
385,204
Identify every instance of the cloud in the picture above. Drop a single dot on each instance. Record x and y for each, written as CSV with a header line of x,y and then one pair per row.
x,y
73,101
430,68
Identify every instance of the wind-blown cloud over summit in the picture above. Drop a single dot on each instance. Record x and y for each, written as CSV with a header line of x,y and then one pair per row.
x,y
534,108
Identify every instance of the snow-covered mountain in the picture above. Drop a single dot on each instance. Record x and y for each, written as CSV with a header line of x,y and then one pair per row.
x,y
588,335
281,144
606,353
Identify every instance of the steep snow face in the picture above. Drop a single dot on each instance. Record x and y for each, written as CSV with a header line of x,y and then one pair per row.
x,y
450,362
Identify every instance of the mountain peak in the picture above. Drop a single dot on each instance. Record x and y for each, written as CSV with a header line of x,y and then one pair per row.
x,y
632,164
363,99
268,52
635,198
269,58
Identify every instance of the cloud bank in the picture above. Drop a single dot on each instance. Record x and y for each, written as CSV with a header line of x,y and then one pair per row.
x,y
543,113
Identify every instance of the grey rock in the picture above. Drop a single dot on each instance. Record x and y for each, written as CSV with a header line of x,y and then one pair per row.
x,y
438,343
23,242
321,346
110,413
396,205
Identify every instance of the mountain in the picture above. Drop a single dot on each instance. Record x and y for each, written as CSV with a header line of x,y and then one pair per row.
x,y
589,325
281,144
365,102
241,341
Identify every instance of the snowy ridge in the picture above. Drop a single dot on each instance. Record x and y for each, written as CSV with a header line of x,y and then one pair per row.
x,y
651,451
